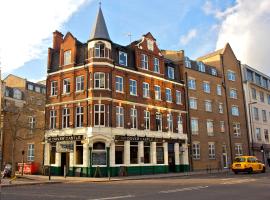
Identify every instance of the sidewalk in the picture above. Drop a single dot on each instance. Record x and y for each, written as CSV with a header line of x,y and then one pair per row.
x,y
40,179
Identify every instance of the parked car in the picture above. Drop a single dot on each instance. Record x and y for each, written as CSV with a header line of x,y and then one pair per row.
x,y
247,164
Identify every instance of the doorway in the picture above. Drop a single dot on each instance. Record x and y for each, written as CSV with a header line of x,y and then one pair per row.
x,y
171,157
64,162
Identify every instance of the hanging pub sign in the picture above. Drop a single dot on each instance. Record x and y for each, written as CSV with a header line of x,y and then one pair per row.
x,y
64,138
66,146
146,139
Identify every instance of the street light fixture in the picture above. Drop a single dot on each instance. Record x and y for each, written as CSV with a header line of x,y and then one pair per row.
x,y
250,123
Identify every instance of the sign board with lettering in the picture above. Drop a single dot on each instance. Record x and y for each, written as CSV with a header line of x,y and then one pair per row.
x,y
146,139
62,147
99,158
65,138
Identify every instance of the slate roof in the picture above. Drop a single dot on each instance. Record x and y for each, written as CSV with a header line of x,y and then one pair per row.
x,y
99,29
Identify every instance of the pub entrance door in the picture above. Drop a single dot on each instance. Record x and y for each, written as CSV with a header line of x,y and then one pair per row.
x,y
171,157
64,163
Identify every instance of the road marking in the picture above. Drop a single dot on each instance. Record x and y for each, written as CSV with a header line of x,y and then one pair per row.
x,y
117,197
231,182
184,189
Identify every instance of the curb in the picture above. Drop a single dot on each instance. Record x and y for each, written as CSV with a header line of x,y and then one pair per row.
x,y
106,180
33,183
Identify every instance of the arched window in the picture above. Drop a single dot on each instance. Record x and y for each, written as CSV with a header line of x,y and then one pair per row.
x,y
99,50
99,155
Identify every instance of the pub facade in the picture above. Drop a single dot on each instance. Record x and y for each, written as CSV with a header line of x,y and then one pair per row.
x,y
113,110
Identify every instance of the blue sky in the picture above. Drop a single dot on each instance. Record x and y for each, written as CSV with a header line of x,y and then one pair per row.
x,y
194,26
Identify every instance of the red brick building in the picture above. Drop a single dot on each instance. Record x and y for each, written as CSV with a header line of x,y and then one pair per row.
x,y
113,109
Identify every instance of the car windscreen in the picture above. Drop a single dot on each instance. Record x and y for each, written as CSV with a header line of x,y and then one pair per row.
x,y
239,159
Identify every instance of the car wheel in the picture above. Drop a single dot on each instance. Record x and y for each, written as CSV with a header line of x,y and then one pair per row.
x,y
250,170
263,170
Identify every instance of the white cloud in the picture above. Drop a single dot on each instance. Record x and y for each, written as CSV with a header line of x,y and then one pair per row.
x,y
185,39
27,26
246,26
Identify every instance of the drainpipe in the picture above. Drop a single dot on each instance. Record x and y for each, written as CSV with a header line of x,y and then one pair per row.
x,y
188,123
227,107
249,132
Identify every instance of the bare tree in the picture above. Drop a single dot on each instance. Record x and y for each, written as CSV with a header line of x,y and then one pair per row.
x,y
17,124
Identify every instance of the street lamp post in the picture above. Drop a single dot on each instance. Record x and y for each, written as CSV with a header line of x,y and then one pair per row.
x,y
251,127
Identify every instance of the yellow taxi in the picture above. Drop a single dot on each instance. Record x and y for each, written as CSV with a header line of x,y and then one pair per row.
x,y
247,164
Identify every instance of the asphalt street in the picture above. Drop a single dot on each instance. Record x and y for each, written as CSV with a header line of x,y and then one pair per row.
x,y
199,187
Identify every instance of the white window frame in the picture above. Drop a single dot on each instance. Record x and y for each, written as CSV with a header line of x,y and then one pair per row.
x,y
222,126
233,93
32,122
67,57
157,92
196,150
210,127
193,103
66,86
156,65
220,108
201,66
65,117
147,121
206,87
146,91
235,110
191,83
119,117
236,129
125,62
133,118
170,122
219,90
53,116
54,88
119,81
231,75
187,62
132,87
31,152
208,106
79,83
168,93
144,61
194,126
211,150
99,80
171,72
178,96
99,111
98,50
79,114
158,116
238,149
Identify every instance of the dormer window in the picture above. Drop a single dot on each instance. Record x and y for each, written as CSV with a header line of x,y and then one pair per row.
x,y
67,57
17,94
214,72
187,62
122,58
99,50
201,66
170,72
144,61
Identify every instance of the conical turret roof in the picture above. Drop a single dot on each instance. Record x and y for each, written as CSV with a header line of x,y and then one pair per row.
x,y
99,29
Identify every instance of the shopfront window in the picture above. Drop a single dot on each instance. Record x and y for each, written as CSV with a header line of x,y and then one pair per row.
x,y
133,152
146,152
119,152
99,154
79,153
52,153
160,153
